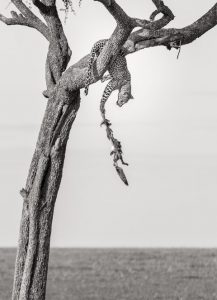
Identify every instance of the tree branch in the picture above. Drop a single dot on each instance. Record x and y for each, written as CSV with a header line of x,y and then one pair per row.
x,y
44,9
172,37
125,25
123,29
49,12
59,52
116,11
161,8
154,25
32,18
23,9
15,20
26,18
74,77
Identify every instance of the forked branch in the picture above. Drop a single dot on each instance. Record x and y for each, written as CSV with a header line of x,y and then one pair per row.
x,y
59,52
44,9
173,37
15,19
25,18
162,22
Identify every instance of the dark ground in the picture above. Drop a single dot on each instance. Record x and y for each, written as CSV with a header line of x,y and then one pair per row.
x,y
123,274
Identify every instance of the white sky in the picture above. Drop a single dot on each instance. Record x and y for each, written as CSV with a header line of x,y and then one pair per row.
x,y
168,134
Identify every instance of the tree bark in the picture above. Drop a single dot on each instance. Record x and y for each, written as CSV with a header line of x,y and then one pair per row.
x,y
39,201
46,168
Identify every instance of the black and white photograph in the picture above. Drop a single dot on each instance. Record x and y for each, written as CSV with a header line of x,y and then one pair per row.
x,y
108,150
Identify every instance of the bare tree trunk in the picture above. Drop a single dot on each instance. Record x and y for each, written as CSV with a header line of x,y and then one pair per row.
x,y
38,207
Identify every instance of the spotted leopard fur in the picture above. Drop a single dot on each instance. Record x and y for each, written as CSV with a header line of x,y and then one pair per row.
x,y
95,51
120,79
119,75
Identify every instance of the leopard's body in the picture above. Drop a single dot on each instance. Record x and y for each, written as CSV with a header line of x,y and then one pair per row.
x,y
119,75
120,79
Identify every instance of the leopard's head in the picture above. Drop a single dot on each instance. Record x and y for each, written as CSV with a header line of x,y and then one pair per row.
x,y
124,98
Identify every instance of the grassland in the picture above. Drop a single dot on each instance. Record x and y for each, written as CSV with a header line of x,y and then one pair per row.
x,y
123,274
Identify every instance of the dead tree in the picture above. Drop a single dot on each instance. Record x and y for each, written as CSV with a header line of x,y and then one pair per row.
x,y
63,92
